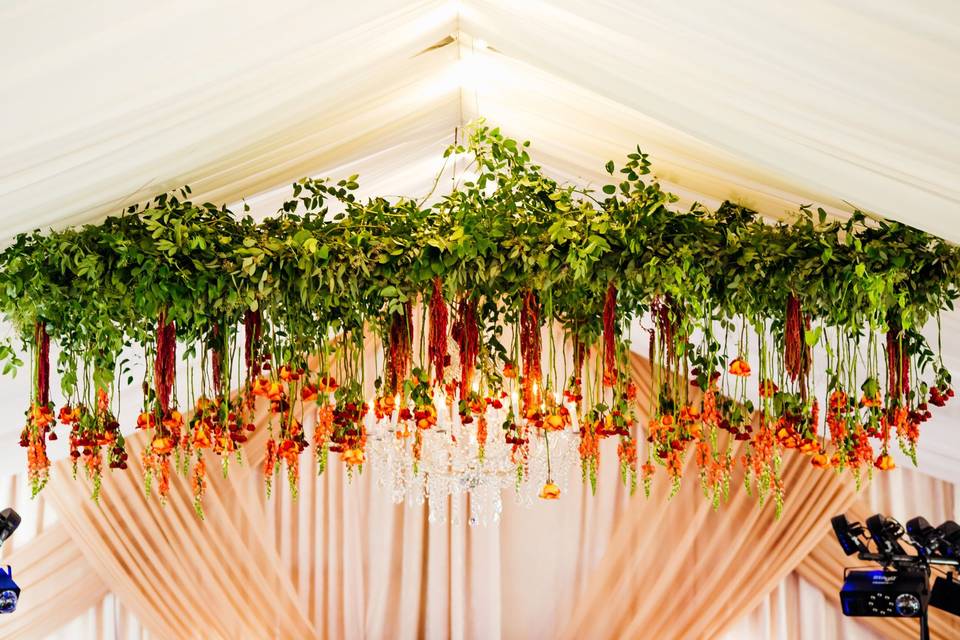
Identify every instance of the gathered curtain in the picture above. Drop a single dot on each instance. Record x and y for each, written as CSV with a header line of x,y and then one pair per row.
x,y
342,561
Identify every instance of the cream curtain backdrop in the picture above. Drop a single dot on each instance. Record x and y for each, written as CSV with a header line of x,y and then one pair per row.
x,y
342,561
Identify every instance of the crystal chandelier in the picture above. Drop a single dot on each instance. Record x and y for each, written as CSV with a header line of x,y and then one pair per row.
x,y
453,463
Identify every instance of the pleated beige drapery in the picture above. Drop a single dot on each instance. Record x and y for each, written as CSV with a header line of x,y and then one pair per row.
x,y
344,562
58,585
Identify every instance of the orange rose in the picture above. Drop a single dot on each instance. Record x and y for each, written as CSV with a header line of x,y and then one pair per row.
x,y
201,436
870,402
885,462
309,393
550,491
509,370
820,460
326,384
173,421
768,388
162,445
353,456
554,422
740,367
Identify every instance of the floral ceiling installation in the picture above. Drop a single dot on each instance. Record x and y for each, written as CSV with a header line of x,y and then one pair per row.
x,y
472,394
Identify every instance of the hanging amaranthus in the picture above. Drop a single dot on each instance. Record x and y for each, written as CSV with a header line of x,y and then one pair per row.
x,y
43,365
252,334
610,337
216,360
530,350
165,365
796,353
438,331
898,364
399,349
468,341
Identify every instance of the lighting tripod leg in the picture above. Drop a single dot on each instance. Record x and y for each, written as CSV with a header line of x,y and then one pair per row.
x,y
924,625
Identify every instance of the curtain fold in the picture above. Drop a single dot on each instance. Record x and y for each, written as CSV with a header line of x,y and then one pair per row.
x,y
343,561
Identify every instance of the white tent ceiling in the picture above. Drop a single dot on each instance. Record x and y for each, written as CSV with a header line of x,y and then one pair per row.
x,y
770,104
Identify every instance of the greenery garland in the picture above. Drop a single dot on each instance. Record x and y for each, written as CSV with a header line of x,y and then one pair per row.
x,y
493,261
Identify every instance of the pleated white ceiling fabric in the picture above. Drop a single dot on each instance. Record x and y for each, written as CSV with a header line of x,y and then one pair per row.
x,y
773,105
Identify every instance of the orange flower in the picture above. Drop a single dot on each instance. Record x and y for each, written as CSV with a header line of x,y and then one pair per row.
x,y
870,402
42,416
173,421
259,387
808,446
162,445
884,462
201,435
69,415
553,422
767,388
550,491
326,384
309,393
509,370
740,367
274,391
353,456
146,421
820,460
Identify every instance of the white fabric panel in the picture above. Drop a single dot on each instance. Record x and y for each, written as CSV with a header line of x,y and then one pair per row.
x,y
855,100
119,104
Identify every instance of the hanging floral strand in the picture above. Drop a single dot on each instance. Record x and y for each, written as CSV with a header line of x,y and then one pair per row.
x,y
530,352
469,343
610,337
438,331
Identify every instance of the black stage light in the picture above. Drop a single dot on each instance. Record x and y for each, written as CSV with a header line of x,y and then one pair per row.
x,y
848,534
949,533
945,594
884,592
9,521
885,533
9,591
901,588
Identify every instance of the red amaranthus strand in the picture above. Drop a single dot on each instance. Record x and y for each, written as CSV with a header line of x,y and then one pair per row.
x,y
399,348
796,353
469,343
530,350
165,365
216,360
252,333
609,337
42,341
898,365
438,330
579,356
660,310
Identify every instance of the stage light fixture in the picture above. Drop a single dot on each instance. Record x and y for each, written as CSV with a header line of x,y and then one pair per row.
x,y
901,587
9,591
848,534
